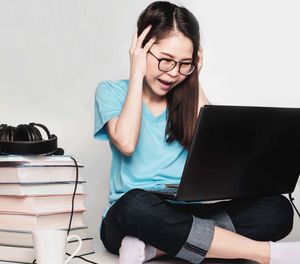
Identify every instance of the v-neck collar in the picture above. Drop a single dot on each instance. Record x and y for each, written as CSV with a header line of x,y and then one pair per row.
x,y
157,118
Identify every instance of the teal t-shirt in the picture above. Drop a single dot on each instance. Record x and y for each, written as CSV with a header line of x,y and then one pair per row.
x,y
154,161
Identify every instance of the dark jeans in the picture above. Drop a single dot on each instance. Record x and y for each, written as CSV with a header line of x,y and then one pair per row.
x,y
186,230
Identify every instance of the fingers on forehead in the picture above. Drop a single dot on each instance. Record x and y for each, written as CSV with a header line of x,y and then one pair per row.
x,y
145,32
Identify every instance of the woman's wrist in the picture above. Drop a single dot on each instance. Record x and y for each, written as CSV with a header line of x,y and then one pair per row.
x,y
136,80
138,76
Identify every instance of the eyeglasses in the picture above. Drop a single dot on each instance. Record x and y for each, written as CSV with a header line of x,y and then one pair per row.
x,y
164,64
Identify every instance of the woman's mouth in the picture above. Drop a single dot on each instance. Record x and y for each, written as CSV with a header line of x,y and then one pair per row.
x,y
164,84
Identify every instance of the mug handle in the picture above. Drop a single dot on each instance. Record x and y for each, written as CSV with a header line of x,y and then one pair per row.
x,y
77,249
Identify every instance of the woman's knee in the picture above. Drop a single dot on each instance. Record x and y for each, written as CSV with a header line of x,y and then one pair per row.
x,y
266,218
283,216
110,238
278,215
123,214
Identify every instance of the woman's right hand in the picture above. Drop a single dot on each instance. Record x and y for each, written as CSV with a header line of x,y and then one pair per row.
x,y
138,54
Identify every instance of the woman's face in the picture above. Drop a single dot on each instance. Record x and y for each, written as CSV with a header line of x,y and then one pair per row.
x,y
175,46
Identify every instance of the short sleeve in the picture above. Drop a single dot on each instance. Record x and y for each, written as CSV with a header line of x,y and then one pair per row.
x,y
109,100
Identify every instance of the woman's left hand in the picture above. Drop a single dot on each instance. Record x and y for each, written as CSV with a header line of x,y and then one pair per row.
x,y
200,59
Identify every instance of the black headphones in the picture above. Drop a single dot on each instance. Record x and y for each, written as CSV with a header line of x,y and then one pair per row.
x,y
27,140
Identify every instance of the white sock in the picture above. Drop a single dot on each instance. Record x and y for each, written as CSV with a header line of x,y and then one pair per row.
x,y
134,251
285,252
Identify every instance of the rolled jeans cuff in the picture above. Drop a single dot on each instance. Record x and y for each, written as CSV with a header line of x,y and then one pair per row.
x,y
223,220
198,242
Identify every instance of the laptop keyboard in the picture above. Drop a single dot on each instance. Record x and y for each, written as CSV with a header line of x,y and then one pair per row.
x,y
168,191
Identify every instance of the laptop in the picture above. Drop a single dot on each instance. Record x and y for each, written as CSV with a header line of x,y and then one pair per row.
x,y
240,151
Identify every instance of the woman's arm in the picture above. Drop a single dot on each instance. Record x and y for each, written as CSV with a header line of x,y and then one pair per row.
x,y
124,130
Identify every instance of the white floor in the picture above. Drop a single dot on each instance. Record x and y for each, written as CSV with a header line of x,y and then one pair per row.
x,y
103,257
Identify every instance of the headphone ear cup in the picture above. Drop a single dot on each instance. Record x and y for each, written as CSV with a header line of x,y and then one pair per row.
x,y
7,134
37,136
11,133
30,133
22,133
3,131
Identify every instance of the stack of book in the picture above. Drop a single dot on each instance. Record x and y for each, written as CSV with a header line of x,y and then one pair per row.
x,y
36,192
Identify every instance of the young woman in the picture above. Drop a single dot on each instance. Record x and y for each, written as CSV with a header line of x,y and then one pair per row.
x,y
149,121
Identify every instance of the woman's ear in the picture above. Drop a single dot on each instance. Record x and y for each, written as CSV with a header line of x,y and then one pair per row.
x,y
200,59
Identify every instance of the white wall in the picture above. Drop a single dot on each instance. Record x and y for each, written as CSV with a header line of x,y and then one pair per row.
x,y
54,52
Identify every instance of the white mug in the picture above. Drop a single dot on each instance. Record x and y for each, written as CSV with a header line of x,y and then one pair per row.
x,y
50,246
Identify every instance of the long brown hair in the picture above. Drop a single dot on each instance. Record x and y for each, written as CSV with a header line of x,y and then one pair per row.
x,y
182,100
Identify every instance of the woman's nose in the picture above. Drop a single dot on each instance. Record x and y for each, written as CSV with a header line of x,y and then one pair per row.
x,y
175,71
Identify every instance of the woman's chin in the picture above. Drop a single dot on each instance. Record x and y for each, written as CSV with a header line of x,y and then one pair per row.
x,y
161,92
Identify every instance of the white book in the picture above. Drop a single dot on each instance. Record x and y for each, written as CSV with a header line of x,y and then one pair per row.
x,y
24,237
39,173
37,159
41,204
38,189
27,254
10,254
30,222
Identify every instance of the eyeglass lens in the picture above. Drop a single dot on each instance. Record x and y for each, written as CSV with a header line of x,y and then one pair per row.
x,y
168,65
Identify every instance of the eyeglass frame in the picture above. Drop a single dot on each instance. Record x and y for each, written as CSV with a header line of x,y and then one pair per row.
x,y
176,62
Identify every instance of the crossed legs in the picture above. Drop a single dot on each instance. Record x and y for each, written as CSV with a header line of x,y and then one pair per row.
x,y
234,229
